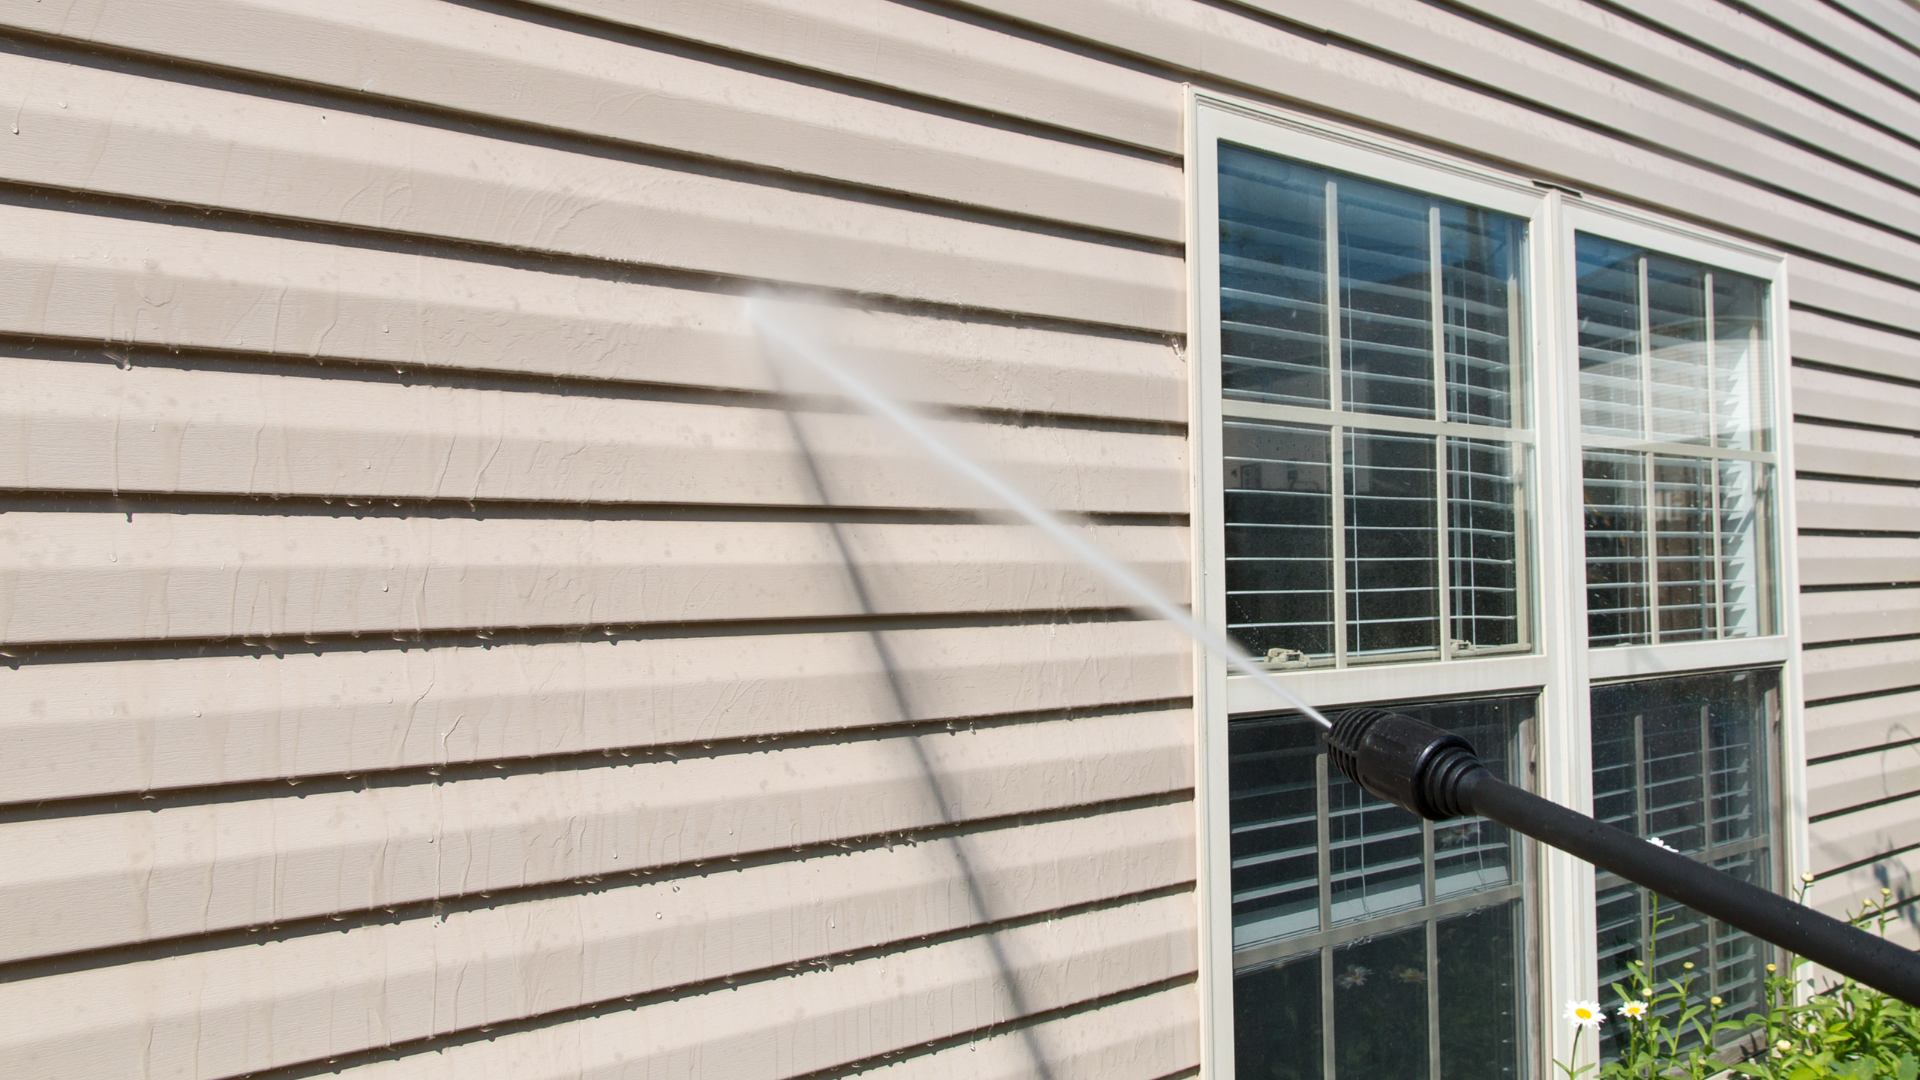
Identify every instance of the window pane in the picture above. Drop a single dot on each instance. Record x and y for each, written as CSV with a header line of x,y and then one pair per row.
x,y
1746,560
1677,350
1386,300
1684,759
1276,1022
1380,1007
1683,548
1474,854
1392,544
1482,548
1607,297
1273,279
1279,538
1275,821
1480,993
1388,959
1375,853
1743,394
1616,521
1478,280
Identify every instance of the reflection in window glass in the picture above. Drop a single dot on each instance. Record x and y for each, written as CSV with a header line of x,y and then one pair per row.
x,y
1685,760
1354,536
1483,533
1393,549
1354,920
1675,417
1616,520
1279,537
1386,300
1395,252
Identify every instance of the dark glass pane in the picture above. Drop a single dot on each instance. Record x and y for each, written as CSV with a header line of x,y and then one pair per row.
x,y
1375,855
1673,773
1483,571
1279,538
1273,279
1479,277
1618,910
1743,387
1386,300
1380,1007
1746,560
1274,818
1479,993
1739,958
1473,854
1683,521
1677,350
1684,759
1736,753
1387,319
1616,521
1277,1022
1607,299
1392,544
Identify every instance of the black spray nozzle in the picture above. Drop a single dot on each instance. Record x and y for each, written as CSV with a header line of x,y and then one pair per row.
x,y
1408,763
1435,774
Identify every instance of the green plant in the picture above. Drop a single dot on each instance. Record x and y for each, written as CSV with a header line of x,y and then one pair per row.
x,y
1844,1031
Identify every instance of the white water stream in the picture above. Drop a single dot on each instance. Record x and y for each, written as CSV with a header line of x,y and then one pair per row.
x,y
791,344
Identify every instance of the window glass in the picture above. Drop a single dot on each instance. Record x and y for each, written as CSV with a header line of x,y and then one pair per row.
x,y
1685,760
1356,924
1675,418
1374,473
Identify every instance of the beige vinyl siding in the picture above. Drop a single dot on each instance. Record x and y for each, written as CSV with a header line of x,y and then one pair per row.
x,y
436,652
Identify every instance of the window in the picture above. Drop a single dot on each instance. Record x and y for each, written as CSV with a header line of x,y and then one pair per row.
x,y
1685,760
1675,409
1368,942
1371,345
1471,442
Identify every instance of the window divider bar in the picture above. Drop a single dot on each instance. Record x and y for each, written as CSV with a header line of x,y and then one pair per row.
x,y
1336,454
1443,544
1239,409
1337,515
1591,441
1442,535
1336,398
1323,826
1433,975
1326,941
1713,468
1646,430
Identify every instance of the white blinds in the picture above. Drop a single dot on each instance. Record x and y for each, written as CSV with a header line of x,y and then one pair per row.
x,y
1397,343
1675,420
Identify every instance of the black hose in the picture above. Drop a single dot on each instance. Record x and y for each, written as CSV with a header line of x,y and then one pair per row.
x,y
1435,774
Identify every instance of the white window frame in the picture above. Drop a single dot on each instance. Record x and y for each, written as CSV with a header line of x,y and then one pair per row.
x,y
1561,951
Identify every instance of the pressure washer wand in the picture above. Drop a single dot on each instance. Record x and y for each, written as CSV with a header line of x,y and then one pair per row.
x,y
1435,774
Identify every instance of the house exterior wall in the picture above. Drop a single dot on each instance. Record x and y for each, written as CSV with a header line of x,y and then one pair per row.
x,y
434,651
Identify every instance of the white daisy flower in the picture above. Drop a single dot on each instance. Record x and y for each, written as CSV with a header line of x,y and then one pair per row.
x,y
1633,1010
1585,1014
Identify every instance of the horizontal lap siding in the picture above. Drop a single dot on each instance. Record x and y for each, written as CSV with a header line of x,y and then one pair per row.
x,y
404,530
441,645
